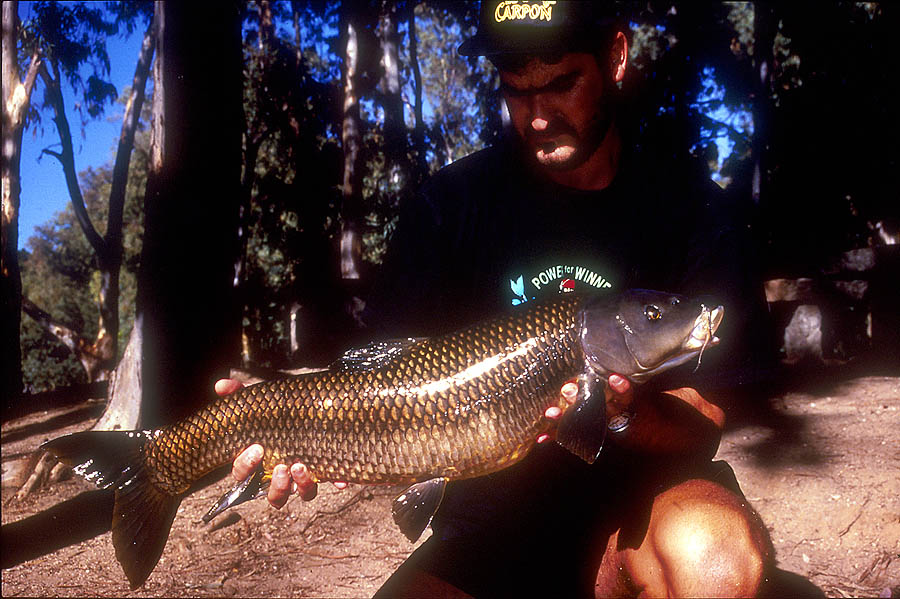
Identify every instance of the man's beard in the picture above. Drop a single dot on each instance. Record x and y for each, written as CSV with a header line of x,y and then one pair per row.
x,y
562,147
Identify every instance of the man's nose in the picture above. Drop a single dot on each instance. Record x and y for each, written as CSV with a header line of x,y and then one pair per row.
x,y
540,113
539,124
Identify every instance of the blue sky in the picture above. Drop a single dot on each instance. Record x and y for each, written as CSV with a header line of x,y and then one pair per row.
x,y
44,190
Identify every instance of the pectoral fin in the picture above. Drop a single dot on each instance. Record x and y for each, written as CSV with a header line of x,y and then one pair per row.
x,y
251,487
582,428
414,508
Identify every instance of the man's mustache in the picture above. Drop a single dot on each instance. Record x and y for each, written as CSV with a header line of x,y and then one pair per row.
x,y
553,130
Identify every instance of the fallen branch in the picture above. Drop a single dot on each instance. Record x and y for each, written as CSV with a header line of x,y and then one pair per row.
x,y
364,493
846,530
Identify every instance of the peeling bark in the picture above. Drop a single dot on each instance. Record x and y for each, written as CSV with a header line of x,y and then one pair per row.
x,y
93,355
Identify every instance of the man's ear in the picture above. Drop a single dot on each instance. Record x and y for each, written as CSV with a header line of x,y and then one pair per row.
x,y
619,56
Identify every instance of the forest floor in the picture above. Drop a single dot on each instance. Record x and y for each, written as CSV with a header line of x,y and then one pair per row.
x,y
820,464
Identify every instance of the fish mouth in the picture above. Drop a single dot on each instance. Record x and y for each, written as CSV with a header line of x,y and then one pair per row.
x,y
704,329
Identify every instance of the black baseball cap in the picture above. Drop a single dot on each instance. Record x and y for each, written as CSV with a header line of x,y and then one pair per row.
x,y
517,27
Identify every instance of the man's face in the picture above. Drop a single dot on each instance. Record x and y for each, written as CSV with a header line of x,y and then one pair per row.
x,y
561,111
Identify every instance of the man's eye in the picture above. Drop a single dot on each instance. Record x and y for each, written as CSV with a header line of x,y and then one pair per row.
x,y
652,312
511,92
563,84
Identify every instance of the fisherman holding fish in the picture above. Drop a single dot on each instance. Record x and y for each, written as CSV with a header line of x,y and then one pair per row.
x,y
569,199
486,356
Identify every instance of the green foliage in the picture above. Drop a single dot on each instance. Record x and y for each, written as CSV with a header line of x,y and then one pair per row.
x,y
292,163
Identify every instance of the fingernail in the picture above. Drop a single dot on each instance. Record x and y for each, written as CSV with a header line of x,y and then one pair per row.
x,y
553,412
543,438
615,379
255,452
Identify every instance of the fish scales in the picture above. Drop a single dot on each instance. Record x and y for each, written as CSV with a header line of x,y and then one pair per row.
x,y
460,405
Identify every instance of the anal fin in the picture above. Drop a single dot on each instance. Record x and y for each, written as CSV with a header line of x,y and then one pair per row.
x,y
414,508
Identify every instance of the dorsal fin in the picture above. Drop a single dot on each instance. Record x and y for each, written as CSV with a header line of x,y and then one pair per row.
x,y
374,354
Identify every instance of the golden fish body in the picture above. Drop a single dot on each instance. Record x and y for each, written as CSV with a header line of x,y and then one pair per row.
x,y
457,406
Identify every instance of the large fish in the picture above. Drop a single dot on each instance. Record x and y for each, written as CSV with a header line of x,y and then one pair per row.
x,y
417,412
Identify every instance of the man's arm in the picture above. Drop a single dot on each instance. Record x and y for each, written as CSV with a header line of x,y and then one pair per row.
x,y
674,422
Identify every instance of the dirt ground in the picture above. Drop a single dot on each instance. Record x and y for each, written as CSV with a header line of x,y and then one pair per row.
x,y
821,466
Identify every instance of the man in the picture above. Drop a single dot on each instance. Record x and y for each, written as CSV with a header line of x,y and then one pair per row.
x,y
565,202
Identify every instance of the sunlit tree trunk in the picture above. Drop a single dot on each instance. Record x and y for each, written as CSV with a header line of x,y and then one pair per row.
x,y
351,138
16,96
392,101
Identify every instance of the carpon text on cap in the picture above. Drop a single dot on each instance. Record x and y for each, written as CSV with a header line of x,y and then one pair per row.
x,y
514,10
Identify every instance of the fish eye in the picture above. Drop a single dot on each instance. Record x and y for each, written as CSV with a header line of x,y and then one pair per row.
x,y
652,312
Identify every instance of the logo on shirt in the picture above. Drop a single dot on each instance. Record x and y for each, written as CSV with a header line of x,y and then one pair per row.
x,y
559,278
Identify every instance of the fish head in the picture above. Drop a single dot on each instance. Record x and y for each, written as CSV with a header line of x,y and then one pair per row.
x,y
642,332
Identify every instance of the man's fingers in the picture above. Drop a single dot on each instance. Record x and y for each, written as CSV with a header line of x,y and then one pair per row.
x,y
280,487
227,386
246,462
569,392
306,486
619,384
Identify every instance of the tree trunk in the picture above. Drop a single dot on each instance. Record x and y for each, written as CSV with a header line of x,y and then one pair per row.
x,y
186,296
123,411
392,101
419,127
764,28
351,138
295,14
16,96
94,362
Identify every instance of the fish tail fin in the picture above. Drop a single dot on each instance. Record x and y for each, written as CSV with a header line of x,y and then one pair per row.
x,y
143,513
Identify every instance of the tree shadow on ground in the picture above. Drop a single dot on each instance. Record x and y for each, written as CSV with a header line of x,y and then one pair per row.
x,y
787,439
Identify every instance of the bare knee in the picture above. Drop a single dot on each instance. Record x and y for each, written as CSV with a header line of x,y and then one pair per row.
x,y
703,540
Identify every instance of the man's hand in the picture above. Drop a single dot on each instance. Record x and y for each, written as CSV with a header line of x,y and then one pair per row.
x,y
619,399
284,480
